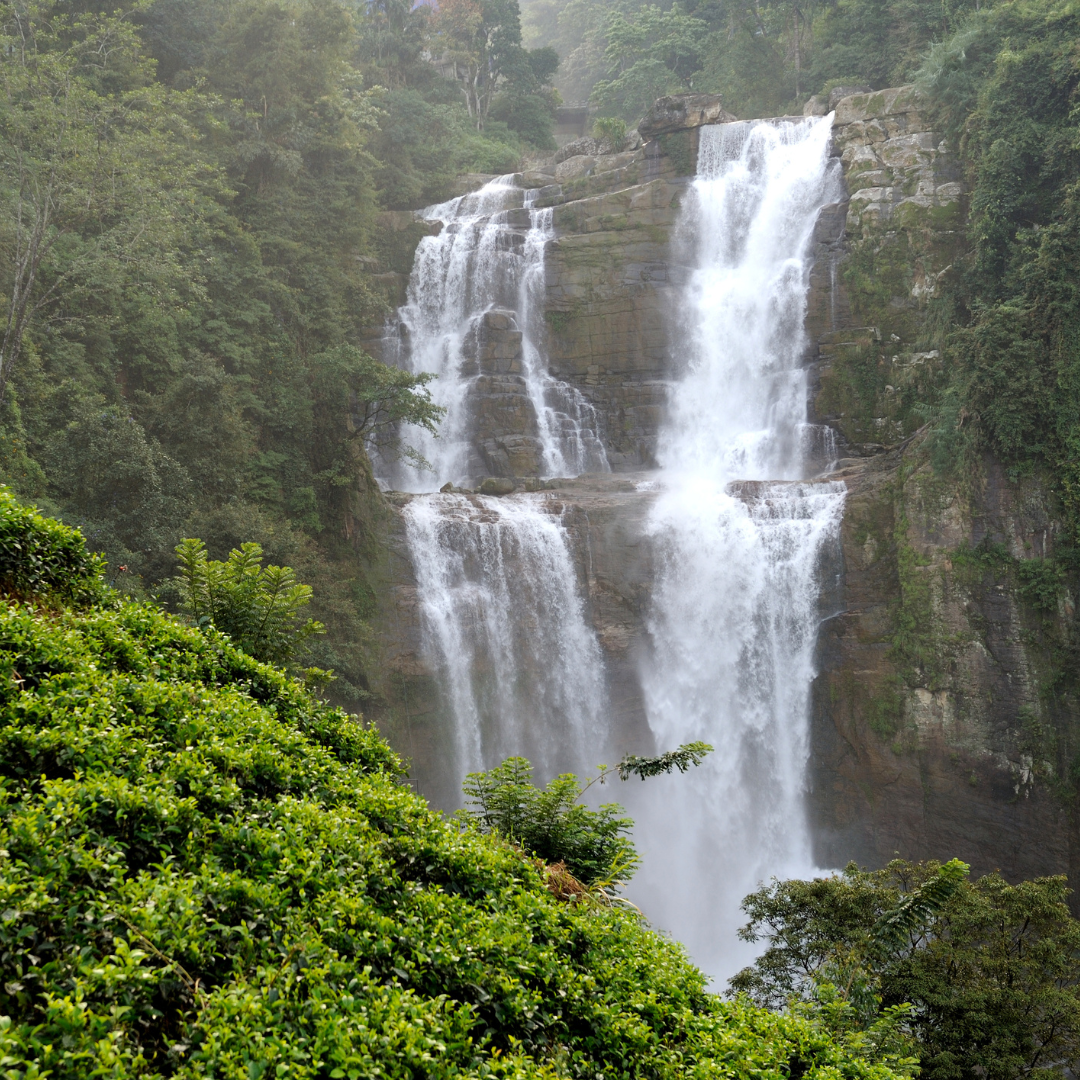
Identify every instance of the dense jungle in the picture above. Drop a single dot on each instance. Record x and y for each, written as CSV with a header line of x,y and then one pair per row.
x,y
212,862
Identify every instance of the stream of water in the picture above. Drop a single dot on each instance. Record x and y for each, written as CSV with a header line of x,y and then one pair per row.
x,y
505,630
737,529
734,613
488,256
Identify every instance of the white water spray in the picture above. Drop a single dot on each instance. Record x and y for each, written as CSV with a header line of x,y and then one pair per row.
x,y
735,606
489,255
738,530
504,628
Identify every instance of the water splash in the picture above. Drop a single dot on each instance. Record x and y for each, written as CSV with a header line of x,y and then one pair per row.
x,y
735,605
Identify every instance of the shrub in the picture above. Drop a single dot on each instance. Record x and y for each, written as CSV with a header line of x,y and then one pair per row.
x,y
612,130
257,606
40,557
207,872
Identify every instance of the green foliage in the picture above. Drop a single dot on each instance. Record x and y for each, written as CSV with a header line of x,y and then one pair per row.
x,y
209,872
555,826
258,607
915,911
190,251
1005,87
482,39
550,822
990,972
649,53
95,176
682,758
765,59
119,485
379,398
39,557
612,130
1041,582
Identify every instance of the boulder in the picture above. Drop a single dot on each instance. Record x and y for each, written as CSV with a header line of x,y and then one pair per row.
x,y
682,111
838,93
574,168
576,149
536,178
497,485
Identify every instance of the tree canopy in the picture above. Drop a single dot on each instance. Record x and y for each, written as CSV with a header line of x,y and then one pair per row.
x,y
988,973
192,258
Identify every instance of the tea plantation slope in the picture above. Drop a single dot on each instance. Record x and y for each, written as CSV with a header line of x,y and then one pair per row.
x,y
204,871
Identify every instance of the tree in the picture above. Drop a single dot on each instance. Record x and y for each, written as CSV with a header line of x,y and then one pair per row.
x,y
93,166
258,607
525,102
989,972
482,39
127,494
375,397
649,53
553,825
392,39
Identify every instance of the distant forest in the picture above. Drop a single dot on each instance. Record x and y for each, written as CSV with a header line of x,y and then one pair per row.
x,y
765,58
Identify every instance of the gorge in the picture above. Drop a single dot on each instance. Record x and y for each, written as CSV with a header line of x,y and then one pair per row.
x,y
607,314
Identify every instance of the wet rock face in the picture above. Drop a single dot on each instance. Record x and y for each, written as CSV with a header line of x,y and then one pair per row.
x,y
882,256
897,168
607,315
503,414
940,740
935,731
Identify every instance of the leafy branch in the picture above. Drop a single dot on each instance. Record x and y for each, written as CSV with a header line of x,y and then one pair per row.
x,y
682,758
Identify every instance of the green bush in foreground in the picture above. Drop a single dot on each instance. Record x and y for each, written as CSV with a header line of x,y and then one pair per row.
x,y
204,871
40,557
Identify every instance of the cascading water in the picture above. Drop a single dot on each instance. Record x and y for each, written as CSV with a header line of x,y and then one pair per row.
x,y
738,530
735,604
488,256
568,423
505,630
503,625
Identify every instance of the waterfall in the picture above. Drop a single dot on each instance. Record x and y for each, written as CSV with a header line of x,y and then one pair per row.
x,y
568,423
503,625
488,260
738,526
504,628
740,538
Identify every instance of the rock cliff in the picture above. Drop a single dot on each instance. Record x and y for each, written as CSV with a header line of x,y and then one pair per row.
x,y
943,721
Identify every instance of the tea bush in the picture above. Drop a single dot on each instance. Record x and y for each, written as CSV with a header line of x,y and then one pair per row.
x,y
207,872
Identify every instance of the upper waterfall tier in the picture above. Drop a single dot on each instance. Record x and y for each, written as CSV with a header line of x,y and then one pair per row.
x,y
474,318
739,409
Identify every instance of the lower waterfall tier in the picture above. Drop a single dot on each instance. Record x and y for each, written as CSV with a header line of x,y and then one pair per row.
x,y
894,768
530,626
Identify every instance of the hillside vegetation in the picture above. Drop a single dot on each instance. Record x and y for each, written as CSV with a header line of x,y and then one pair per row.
x,y
204,871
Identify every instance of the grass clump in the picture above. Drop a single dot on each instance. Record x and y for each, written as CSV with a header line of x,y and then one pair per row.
x,y
207,872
